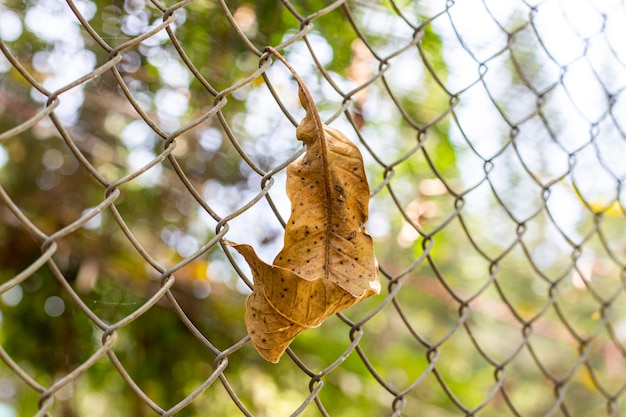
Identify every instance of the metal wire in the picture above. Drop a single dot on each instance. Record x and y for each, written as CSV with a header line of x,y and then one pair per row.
x,y
543,326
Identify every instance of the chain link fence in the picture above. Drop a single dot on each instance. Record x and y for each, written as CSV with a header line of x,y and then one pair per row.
x,y
136,136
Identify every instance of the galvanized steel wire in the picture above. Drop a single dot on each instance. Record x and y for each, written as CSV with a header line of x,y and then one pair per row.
x,y
552,318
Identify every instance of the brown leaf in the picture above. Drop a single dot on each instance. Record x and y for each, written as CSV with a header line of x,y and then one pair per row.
x,y
327,263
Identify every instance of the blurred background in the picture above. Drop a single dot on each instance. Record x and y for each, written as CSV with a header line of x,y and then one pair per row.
x,y
135,135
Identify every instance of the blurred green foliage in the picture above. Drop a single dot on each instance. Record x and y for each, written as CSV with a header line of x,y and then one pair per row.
x,y
52,189
163,357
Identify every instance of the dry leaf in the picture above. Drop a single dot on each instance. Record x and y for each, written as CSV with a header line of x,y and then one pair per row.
x,y
327,263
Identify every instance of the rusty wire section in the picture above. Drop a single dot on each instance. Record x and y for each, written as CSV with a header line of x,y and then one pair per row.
x,y
535,195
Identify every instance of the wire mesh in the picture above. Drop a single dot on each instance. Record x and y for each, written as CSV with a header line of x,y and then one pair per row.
x,y
493,138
